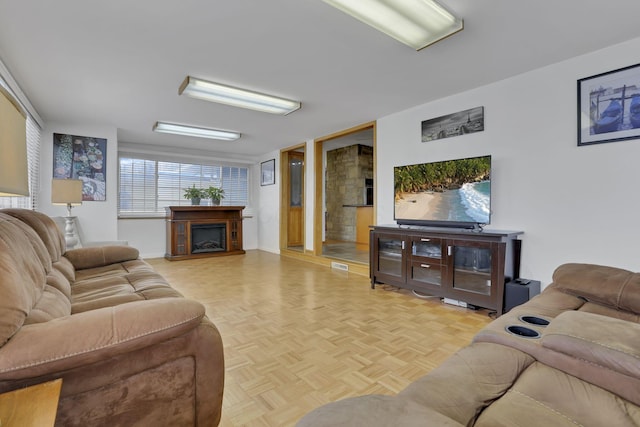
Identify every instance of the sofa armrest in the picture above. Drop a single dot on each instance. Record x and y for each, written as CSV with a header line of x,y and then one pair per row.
x,y
105,243
599,340
99,256
85,338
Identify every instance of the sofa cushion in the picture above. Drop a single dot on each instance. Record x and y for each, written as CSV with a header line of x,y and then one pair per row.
x,y
109,286
24,264
44,227
488,370
543,396
597,349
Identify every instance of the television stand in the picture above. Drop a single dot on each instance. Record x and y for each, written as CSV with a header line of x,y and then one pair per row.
x,y
459,264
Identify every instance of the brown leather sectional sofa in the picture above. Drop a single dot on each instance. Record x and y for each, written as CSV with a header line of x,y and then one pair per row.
x,y
129,348
568,357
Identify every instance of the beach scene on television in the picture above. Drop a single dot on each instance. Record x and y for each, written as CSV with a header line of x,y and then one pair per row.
x,y
455,190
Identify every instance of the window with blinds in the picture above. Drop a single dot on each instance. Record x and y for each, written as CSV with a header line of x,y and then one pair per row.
x,y
148,186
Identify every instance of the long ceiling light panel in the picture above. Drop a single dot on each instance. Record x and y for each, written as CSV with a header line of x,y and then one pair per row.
x,y
229,95
199,132
416,23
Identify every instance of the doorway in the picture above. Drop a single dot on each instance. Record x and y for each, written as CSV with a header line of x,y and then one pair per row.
x,y
345,196
292,226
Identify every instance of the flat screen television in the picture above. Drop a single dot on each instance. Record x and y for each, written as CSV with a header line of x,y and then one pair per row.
x,y
451,193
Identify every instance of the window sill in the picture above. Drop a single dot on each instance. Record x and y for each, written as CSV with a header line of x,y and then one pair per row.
x,y
146,215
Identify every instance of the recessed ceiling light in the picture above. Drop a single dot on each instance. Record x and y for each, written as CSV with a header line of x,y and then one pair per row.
x,y
416,23
229,95
196,131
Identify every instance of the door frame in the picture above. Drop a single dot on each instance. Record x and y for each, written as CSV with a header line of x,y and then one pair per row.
x,y
318,210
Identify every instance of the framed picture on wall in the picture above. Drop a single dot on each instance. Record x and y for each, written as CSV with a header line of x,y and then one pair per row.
x,y
84,158
460,123
268,172
609,106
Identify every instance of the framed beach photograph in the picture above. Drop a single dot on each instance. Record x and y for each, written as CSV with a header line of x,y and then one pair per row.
x,y
268,172
84,158
460,123
609,106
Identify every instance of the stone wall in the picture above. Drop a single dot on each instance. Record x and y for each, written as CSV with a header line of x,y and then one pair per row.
x,y
347,169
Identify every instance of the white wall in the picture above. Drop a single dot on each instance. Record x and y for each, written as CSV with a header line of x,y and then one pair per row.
x,y
575,204
98,220
268,212
309,195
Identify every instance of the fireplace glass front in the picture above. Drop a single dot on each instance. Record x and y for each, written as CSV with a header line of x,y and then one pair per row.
x,y
208,238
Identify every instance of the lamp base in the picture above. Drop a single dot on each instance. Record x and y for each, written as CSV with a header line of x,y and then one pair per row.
x,y
70,235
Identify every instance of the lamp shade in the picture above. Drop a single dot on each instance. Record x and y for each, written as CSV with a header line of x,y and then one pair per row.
x,y
14,172
66,191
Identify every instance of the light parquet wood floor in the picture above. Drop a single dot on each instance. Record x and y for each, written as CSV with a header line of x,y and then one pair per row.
x,y
298,335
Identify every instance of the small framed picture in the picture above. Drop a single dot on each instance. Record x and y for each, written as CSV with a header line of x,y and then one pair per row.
x,y
268,172
609,106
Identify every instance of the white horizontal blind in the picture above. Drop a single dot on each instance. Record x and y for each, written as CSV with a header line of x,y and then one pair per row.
x,y
137,191
148,186
33,159
235,183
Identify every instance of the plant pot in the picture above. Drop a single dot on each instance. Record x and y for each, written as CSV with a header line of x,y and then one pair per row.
x,y
215,202
195,201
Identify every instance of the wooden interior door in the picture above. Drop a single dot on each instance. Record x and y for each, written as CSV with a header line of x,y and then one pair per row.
x,y
295,223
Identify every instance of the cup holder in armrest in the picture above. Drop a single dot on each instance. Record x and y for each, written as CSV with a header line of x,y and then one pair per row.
x,y
523,331
534,320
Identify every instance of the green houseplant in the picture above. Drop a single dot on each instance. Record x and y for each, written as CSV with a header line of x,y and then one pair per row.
x,y
195,194
215,194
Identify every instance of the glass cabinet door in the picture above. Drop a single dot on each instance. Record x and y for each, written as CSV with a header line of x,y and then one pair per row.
x,y
427,248
389,255
472,267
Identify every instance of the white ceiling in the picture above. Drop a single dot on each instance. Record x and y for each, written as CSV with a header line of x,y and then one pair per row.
x,y
120,63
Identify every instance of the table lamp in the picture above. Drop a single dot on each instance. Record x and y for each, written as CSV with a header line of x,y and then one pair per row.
x,y
67,192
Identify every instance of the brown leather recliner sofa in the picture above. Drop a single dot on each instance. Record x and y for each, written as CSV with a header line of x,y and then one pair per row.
x,y
582,368
129,348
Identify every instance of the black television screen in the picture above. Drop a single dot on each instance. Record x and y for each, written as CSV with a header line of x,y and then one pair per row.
x,y
455,193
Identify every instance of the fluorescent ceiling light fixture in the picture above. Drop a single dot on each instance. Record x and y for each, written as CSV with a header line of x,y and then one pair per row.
x,y
199,132
416,23
223,94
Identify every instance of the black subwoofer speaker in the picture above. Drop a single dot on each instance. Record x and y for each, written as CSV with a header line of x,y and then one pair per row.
x,y
519,291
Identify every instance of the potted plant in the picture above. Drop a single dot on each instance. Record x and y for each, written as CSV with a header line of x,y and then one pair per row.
x,y
195,194
215,194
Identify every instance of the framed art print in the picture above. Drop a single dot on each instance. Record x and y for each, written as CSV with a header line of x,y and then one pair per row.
x,y
609,106
460,123
268,172
84,158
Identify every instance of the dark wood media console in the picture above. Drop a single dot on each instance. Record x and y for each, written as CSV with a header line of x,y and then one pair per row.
x,y
465,266
203,231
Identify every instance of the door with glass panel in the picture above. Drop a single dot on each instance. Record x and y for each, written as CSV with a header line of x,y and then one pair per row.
x,y
295,194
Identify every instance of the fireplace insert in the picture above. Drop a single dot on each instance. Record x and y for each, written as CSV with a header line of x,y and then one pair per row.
x,y
208,238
